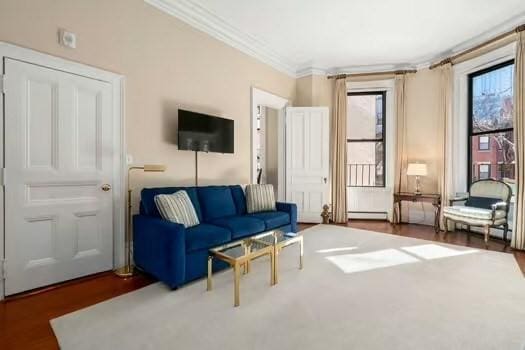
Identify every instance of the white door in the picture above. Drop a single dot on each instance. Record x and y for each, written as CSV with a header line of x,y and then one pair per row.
x,y
307,160
58,157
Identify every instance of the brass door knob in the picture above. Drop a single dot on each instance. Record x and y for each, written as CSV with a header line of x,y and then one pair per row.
x,y
106,187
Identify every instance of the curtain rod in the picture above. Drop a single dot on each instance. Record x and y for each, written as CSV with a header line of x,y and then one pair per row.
x,y
502,36
352,75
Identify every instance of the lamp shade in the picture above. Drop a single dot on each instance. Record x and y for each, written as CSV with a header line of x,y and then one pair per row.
x,y
417,169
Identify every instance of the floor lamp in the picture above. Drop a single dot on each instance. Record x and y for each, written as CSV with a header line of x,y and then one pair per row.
x,y
127,270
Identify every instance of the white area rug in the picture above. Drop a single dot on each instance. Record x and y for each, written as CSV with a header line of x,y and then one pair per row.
x,y
358,290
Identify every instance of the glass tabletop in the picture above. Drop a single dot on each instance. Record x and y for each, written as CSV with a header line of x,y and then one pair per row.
x,y
252,244
273,237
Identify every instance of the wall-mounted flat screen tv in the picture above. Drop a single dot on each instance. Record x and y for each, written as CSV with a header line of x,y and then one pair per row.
x,y
204,133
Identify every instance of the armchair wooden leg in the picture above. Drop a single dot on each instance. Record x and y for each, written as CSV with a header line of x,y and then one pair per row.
x,y
487,232
505,231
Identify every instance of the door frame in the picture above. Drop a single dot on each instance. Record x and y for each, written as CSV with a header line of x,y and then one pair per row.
x,y
117,82
268,99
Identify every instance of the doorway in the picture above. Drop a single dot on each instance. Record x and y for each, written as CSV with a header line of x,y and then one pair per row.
x,y
268,147
62,170
268,140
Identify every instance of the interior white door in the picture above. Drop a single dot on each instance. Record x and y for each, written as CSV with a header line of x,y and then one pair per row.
x,y
58,176
307,160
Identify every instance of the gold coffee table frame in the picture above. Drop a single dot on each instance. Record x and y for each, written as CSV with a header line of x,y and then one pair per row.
x,y
237,261
278,240
240,254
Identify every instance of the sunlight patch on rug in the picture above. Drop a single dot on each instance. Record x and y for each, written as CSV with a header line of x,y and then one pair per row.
x,y
334,250
350,263
434,251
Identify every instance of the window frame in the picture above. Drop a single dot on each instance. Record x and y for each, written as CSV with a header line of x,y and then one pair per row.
x,y
480,143
470,132
381,93
489,172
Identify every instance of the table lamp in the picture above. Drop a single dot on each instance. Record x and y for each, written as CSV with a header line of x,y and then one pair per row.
x,y
417,170
127,270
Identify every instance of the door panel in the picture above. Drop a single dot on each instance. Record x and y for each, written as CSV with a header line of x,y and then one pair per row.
x,y
58,154
307,159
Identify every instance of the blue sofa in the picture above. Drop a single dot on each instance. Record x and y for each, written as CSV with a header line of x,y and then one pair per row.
x,y
177,255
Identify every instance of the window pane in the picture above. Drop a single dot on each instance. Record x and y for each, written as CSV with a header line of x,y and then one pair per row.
x,y
365,164
492,104
484,144
365,117
498,161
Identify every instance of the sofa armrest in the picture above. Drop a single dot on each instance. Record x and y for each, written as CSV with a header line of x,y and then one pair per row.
x,y
290,208
159,248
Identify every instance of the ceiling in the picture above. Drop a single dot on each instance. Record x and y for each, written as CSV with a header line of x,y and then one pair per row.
x,y
305,36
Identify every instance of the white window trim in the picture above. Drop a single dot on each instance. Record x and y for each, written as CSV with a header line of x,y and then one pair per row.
x,y
459,158
387,85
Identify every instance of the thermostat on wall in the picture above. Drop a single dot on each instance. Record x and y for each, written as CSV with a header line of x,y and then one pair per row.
x,y
67,39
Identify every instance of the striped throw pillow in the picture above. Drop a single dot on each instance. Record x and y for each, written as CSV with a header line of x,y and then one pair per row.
x,y
177,207
260,198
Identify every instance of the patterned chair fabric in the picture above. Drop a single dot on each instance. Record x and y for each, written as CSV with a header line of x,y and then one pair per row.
x,y
491,189
487,205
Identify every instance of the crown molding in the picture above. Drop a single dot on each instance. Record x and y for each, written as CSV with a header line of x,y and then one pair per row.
x,y
202,19
307,71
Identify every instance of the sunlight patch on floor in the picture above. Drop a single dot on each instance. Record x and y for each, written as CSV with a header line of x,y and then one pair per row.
x,y
335,250
350,263
434,251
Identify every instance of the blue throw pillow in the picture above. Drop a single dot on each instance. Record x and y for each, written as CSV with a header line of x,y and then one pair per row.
x,y
481,202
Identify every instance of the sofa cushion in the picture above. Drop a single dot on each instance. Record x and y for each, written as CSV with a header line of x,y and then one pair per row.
x,y
205,236
240,226
147,200
216,202
177,207
239,198
272,219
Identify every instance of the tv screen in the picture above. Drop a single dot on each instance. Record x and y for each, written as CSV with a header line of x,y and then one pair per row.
x,y
205,133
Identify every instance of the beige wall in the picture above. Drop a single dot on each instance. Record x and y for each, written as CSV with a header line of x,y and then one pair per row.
x,y
422,111
167,65
313,91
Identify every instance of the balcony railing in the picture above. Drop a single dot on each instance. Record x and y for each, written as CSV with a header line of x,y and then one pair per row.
x,y
362,175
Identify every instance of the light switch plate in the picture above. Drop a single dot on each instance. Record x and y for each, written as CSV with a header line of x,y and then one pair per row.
x,y
129,159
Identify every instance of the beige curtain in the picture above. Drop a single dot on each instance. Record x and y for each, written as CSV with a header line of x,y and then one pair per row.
x,y
518,237
401,159
446,166
338,153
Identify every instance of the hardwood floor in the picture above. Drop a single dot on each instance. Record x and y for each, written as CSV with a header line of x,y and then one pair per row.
x,y
24,320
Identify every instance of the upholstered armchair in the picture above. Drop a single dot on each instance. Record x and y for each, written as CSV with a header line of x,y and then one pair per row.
x,y
487,205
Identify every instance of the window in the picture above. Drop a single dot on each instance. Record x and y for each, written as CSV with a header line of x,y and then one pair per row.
x,y
483,143
484,171
491,129
366,139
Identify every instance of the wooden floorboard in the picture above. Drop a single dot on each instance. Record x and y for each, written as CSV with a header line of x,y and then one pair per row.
x,y
24,320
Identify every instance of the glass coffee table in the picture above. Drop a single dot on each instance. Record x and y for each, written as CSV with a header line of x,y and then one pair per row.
x,y
240,254
278,240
